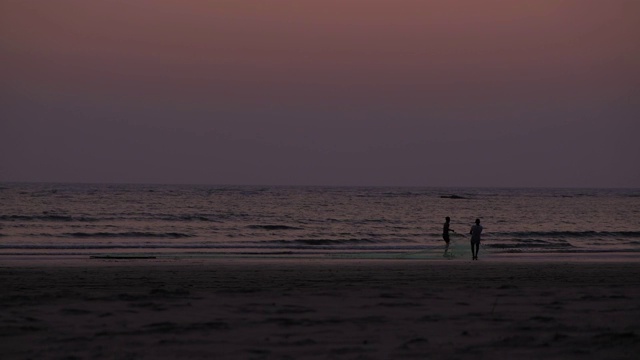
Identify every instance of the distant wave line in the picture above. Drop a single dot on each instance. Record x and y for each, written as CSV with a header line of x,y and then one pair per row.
x,y
567,234
274,227
131,234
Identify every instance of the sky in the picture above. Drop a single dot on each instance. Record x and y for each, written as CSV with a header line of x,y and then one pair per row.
x,y
332,92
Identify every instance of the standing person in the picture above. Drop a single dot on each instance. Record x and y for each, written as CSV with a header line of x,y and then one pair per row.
x,y
475,232
445,234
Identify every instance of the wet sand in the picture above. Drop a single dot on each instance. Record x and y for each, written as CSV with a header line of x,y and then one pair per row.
x,y
242,308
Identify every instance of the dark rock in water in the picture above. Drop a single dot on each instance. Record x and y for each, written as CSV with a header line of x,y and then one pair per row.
x,y
452,197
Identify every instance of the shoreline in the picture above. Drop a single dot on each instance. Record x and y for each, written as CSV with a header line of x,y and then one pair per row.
x,y
152,259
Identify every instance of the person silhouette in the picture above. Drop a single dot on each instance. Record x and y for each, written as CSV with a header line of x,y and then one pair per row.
x,y
475,232
445,234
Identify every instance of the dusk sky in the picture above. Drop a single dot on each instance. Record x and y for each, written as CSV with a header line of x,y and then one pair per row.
x,y
295,92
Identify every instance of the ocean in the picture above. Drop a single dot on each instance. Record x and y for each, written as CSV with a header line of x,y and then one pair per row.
x,y
203,220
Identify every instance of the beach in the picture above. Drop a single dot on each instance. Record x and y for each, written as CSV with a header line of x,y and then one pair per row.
x,y
235,307
319,180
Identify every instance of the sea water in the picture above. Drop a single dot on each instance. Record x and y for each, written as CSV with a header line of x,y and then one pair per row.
x,y
191,220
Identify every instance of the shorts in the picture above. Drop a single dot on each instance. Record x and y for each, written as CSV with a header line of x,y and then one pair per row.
x,y
475,241
445,238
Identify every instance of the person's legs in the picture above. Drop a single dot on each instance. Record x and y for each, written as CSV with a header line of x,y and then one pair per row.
x,y
446,248
474,250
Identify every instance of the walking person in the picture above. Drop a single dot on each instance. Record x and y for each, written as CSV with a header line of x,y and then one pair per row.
x,y
475,232
445,235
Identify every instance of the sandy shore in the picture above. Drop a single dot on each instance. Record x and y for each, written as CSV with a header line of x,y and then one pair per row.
x,y
312,308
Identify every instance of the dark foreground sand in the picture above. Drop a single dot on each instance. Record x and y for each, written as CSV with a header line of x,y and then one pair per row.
x,y
300,309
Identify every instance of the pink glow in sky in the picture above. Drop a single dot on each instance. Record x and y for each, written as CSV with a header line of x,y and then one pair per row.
x,y
351,92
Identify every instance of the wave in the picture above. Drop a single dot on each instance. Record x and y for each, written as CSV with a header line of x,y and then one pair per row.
x,y
325,241
568,234
131,234
206,218
45,218
303,249
204,247
529,245
112,246
123,216
273,227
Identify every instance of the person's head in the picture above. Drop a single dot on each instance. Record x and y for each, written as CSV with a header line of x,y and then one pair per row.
x,y
447,219
477,221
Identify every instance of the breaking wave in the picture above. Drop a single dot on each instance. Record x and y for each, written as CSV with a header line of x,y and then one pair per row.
x,y
45,218
273,227
568,234
131,234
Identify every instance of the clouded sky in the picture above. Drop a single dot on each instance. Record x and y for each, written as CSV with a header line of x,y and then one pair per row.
x,y
331,92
